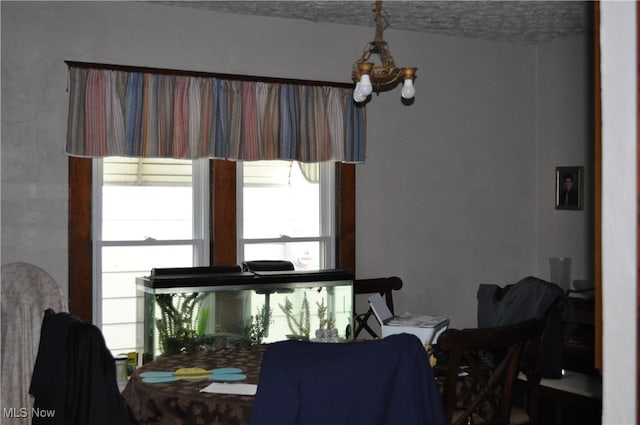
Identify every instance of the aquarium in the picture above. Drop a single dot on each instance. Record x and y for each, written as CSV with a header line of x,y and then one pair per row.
x,y
205,308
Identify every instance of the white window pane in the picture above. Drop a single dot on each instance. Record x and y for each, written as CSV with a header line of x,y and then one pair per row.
x,y
118,310
288,205
303,255
147,171
120,284
143,212
141,259
120,338
151,200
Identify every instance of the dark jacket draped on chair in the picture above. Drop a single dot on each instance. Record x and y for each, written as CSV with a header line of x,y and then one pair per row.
x,y
387,381
74,376
530,298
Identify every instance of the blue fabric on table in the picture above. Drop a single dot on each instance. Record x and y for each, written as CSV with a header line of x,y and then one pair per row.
x,y
386,381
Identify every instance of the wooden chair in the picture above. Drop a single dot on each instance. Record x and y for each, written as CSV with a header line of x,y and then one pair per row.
x,y
481,370
383,286
533,368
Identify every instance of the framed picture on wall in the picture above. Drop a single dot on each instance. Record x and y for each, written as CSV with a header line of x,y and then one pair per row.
x,y
569,188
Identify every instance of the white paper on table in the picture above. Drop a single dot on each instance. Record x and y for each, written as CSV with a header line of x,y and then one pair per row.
x,y
229,388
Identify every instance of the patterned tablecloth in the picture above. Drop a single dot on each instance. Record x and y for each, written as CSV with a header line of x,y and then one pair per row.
x,y
181,402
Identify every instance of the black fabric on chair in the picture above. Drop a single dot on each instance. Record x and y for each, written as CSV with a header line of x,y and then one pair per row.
x,y
387,381
381,285
529,298
74,377
481,368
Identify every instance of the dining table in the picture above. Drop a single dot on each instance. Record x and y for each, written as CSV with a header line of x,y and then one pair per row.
x,y
180,401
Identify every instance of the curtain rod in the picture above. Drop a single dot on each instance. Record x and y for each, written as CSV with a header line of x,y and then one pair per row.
x,y
164,71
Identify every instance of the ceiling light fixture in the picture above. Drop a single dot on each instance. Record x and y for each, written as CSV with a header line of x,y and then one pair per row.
x,y
370,77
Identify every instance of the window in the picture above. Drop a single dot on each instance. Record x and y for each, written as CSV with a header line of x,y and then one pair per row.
x,y
223,241
149,213
286,212
223,229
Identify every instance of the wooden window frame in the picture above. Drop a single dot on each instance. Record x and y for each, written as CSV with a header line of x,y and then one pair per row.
x,y
222,225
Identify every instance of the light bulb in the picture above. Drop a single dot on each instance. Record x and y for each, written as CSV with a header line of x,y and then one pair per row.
x,y
408,91
365,85
358,96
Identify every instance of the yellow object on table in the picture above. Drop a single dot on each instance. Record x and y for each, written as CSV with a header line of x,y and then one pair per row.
x,y
192,373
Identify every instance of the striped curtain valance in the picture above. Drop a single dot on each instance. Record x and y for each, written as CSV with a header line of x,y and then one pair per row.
x,y
146,114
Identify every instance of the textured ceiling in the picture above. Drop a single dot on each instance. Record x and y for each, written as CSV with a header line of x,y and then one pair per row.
x,y
514,21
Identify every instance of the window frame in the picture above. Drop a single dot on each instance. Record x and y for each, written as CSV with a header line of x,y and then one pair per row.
x,y
326,238
199,239
222,229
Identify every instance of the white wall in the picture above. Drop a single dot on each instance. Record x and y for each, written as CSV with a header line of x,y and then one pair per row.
x,y
447,196
619,210
565,138
458,189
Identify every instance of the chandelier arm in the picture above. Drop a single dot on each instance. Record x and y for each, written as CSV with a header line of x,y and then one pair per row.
x,y
385,55
366,53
